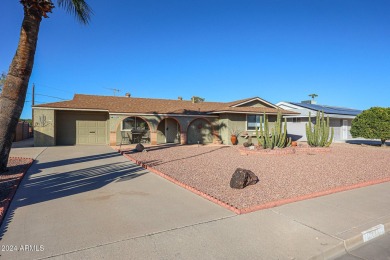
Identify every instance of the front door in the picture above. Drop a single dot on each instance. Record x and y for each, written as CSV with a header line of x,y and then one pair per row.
x,y
344,130
171,131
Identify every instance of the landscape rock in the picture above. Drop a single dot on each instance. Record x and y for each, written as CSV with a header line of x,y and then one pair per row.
x,y
139,148
247,144
242,178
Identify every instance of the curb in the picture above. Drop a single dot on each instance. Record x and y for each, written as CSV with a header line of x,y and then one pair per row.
x,y
313,195
345,246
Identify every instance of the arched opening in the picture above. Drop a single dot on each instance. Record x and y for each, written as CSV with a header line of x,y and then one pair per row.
x,y
168,131
135,130
200,131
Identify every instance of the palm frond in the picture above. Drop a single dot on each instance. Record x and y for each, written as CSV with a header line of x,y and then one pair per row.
x,y
79,8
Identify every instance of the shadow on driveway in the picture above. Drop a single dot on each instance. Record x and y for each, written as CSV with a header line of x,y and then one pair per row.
x,y
89,158
39,186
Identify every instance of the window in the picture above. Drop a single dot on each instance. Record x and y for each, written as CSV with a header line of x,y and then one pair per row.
x,y
253,122
132,123
294,119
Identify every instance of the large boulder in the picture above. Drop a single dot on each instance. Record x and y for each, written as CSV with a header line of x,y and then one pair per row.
x,y
139,148
242,178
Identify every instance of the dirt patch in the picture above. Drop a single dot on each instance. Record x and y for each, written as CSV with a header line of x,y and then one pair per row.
x,y
282,178
9,181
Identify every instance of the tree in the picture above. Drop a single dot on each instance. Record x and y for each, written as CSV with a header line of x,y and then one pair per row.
x,y
196,99
26,120
313,96
373,123
2,80
16,83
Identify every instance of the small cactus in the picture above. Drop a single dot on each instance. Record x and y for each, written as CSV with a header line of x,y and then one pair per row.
x,y
277,137
318,134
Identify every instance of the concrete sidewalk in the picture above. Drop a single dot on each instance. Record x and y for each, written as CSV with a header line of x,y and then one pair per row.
x,y
88,202
25,148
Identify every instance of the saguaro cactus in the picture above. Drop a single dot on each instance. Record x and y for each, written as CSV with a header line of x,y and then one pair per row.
x,y
318,134
276,137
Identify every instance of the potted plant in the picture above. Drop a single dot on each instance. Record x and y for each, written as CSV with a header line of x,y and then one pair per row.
x,y
234,132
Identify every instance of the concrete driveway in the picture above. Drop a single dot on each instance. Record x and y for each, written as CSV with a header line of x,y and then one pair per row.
x,y
81,197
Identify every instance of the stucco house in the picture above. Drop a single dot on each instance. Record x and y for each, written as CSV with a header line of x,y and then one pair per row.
x,y
340,118
91,119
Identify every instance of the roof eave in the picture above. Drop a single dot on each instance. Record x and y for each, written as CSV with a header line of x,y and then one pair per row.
x,y
253,99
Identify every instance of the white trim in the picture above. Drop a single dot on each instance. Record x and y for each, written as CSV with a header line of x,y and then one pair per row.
x,y
287,106
70,109
170,115
253,99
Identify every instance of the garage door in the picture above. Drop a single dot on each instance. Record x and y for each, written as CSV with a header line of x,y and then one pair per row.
x,y
81,128
90,132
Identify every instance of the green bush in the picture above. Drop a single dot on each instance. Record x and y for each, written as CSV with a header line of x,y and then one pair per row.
x,y
373,123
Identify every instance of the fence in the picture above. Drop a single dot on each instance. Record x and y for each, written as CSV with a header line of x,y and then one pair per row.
x,y
23,131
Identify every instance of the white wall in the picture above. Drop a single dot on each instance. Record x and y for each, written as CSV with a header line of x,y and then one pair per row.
x,y
298,130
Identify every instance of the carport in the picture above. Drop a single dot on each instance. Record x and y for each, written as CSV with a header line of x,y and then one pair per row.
x,y
81,127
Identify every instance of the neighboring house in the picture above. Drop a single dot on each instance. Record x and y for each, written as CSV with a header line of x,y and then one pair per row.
x,y
90,119
340,119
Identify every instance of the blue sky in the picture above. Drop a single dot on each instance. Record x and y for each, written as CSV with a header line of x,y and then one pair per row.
x,y
222,50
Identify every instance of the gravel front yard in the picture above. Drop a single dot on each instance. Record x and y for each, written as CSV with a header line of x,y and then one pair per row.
x,y
209,169
10,180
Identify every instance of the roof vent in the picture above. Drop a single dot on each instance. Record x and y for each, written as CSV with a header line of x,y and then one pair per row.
x,y
179,98
128,94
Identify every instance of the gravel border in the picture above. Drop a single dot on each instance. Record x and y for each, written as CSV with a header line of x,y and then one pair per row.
x,y
283,178
9,182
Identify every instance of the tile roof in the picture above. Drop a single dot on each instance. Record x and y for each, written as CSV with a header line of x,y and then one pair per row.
x,y
153,106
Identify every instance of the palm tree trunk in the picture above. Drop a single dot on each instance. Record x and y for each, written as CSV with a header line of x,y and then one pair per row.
x,y
15,87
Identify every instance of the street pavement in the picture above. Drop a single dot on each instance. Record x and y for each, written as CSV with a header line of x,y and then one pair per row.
x,y
89,202
378,249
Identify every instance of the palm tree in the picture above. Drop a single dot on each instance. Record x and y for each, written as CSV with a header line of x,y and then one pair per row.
x,y
15,86
313,96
